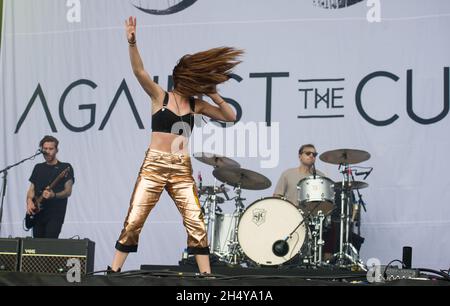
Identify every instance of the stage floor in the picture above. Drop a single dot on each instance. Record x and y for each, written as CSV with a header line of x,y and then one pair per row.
x,y
224,276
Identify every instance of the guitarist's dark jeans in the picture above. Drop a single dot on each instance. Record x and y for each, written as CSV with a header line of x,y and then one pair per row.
x,y
48,225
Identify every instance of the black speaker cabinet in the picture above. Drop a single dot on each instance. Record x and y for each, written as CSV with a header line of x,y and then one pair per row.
x,y
9,254
52,255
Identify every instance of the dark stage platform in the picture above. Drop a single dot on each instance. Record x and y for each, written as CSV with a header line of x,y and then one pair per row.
x,y
224,276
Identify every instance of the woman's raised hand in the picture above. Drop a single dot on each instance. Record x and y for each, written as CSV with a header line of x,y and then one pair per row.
x,y
130,28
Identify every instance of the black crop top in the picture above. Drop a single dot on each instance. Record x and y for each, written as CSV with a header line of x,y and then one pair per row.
x,y
164,119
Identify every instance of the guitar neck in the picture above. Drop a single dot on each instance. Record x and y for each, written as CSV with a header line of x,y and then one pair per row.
x,y
58,178
40,198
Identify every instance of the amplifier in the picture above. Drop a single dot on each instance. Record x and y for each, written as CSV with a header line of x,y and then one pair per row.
x,y
9,254
52,255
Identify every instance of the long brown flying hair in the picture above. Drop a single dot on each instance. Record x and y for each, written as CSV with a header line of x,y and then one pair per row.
x,y
199,73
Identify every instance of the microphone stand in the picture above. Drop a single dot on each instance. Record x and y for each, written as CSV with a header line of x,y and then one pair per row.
x,y
5,180
360,203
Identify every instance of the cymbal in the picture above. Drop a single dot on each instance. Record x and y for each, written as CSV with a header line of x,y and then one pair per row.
x,y
344,156
211,190
351,185
244,178
216,160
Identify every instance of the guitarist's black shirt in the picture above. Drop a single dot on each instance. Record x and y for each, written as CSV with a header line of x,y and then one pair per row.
x,y
43,175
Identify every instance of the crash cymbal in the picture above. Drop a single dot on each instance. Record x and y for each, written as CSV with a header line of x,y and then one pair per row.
x,y
344,156
350,185
215,160
244,178
211,189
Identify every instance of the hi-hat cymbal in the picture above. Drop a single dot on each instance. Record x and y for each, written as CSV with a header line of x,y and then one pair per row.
x,y
344,156
244,178
211,189
216,160
220,200
350,185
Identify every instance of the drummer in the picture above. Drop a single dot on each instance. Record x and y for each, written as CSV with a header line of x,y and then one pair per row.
x,y
287,188
287,184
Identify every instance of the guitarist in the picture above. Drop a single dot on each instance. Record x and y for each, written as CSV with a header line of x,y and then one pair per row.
x,y
47,207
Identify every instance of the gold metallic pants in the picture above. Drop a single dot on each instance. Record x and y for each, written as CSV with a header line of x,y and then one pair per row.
x,y
173,172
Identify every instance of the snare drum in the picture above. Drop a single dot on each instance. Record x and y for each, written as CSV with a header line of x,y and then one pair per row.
x,y
224,233
316,194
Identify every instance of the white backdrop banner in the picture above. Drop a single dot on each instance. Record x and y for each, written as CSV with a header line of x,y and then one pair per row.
x,y
368,75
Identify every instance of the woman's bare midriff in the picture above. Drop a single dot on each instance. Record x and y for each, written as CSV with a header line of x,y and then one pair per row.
x,y
168,142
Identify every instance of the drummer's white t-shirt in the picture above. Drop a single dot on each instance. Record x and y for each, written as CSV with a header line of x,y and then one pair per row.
x,y
287,184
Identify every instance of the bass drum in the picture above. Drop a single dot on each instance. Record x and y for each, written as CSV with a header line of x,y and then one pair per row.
x,y
265,222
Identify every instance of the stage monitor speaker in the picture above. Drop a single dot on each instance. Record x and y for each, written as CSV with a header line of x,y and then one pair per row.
x,y
52,255
9,254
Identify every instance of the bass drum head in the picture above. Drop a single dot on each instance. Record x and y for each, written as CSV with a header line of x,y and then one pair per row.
x,y
266,221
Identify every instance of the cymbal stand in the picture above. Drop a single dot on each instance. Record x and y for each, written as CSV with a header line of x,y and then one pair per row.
x,y
340,255
313,253
344,217
346,250
209,208
212,217
351,251
318,240
234,255
205,208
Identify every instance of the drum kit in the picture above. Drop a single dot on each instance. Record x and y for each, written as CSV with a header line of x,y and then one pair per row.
x,y
272,231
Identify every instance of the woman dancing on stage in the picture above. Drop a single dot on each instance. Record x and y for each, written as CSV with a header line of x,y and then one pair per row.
x,y
167,164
